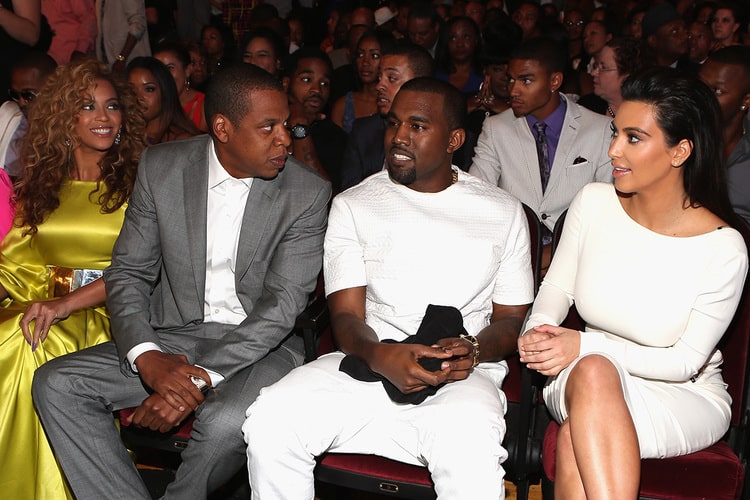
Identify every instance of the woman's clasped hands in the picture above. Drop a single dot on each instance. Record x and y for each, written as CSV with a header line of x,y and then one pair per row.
x,y
549,349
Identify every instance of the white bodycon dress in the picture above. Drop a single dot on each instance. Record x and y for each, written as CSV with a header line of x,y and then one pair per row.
x,y
656,306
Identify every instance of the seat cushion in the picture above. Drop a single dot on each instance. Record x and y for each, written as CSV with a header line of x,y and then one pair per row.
x,y
715,473
373,465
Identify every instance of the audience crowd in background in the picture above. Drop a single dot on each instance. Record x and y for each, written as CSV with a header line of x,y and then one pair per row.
x,y
94,84
469,41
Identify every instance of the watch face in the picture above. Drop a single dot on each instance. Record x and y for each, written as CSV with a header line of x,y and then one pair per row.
x,y
201,384
299,131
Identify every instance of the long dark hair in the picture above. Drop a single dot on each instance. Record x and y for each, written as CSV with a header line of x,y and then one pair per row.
x,y
686,108
171,109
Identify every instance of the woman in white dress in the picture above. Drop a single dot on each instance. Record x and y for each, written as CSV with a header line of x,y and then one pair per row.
x,y
656,270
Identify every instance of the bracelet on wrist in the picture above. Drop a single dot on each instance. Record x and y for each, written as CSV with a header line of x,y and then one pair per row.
x,y
471,339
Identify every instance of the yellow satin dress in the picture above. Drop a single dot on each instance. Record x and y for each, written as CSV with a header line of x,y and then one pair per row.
x,y
77,235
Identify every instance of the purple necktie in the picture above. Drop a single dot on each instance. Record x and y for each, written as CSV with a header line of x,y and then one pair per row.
x,y
542,152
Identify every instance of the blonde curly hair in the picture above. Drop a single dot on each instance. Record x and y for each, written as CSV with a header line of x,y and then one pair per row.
x,y
47,148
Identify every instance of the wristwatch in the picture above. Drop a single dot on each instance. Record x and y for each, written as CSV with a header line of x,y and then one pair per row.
x,y
120,57
201,384
299,131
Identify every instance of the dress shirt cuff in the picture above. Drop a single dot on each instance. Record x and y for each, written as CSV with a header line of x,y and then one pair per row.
x,y
216,378
136,351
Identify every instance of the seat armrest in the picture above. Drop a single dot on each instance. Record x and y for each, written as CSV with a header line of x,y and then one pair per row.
x,y
311,323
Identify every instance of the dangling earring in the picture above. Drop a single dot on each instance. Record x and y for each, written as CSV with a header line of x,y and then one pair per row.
x,y
67,141
117,138
743,108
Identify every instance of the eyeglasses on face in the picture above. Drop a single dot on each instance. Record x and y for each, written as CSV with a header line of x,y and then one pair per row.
x,y
601,69
26,95
570,24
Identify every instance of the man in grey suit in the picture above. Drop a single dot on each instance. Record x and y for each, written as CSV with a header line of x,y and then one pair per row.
x,y
512,153
221,245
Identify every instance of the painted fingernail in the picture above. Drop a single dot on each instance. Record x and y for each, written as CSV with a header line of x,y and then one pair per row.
x,y
33,347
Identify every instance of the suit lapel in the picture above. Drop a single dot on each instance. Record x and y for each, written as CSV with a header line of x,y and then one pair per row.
x,y
195,182
258,211
566,144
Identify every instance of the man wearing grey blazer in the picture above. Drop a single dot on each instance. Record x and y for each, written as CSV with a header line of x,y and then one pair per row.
x,y
221,245
577,139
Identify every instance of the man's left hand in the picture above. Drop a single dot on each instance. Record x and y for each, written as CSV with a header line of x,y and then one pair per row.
x,y
156,414
461,364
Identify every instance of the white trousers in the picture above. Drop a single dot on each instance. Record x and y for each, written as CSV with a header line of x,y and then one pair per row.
x,y
456,433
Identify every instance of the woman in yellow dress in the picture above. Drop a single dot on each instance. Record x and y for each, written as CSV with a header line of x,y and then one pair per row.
x,y
81,154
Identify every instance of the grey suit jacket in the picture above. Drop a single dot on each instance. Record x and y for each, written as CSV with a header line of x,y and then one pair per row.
x,y
156,282
505,155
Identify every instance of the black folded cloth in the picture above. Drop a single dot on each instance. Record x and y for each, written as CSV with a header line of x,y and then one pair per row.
x,y
439,322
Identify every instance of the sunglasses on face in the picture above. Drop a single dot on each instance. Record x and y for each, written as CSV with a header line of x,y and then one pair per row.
x,y
26,95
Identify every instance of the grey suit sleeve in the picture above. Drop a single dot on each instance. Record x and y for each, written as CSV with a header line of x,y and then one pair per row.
x,y
486,163
291,276
136,261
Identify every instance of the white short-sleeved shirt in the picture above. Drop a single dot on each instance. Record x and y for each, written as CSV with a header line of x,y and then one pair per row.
x,y
466,246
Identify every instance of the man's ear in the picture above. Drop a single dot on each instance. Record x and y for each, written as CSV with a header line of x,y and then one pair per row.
x,y
221,128
285,83
556,81
456,139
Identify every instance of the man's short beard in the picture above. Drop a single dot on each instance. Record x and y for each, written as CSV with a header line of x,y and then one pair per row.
x,y
402,176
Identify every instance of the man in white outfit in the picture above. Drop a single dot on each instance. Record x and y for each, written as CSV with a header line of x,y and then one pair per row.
x,y
420,232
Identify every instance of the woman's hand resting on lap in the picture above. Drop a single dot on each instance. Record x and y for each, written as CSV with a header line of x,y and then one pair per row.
x,y
43,314
549,349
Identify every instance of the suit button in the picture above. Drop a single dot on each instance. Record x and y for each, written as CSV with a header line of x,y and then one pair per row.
x,y
545,216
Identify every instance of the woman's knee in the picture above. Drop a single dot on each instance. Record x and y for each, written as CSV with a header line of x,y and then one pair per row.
x,y
594,380
593,371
